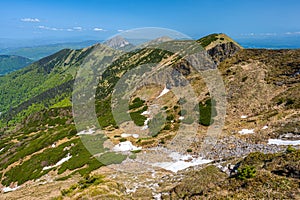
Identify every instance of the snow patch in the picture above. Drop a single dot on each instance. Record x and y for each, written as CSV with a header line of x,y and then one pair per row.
x,y
145,113
244,116
86,132
9,189
125,135
157,196
181,118
265,127
59,162
181,162
145,124
126,146
283,142
246,131
165,91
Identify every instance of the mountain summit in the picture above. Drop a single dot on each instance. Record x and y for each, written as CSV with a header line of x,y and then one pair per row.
x,y
219,46
117,42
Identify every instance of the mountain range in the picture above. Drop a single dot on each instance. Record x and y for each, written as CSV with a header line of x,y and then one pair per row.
x,y
44,154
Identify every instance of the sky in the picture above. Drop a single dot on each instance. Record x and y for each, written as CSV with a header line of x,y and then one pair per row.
x,y
100,19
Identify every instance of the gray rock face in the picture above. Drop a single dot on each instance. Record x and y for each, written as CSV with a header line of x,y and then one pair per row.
x,y
117,42
222,51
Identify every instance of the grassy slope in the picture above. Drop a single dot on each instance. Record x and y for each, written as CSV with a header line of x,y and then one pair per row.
x,y
38,85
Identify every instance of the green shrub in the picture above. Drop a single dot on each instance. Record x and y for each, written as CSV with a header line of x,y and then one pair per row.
x,y
137,118
290,149
165,108
246,172
205,41
189,150
244,79
86,182
170,117
167,127
207,112
136,103
162,141
289,102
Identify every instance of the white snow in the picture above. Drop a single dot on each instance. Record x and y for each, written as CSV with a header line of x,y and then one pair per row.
x,y
244,116
9,189
157,196
145,124
126,146
181,162
246,131
125,135
283,142
86,132
181,118
146,113
59,162
165,91
265,127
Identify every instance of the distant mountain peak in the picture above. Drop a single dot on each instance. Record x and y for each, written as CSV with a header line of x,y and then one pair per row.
x,y
212,40
117,42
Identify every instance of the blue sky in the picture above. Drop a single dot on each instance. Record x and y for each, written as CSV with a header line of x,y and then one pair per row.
x,y
103,18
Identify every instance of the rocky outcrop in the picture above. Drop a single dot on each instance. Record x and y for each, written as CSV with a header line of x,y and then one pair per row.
x,y
219,46
222,51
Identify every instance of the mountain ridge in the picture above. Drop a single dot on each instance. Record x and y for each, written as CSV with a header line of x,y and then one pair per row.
x,y
259,86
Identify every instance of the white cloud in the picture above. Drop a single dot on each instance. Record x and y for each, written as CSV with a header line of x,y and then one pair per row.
x,y
259,34
293,33
98,29
120,30
30,20
50,28
77,28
